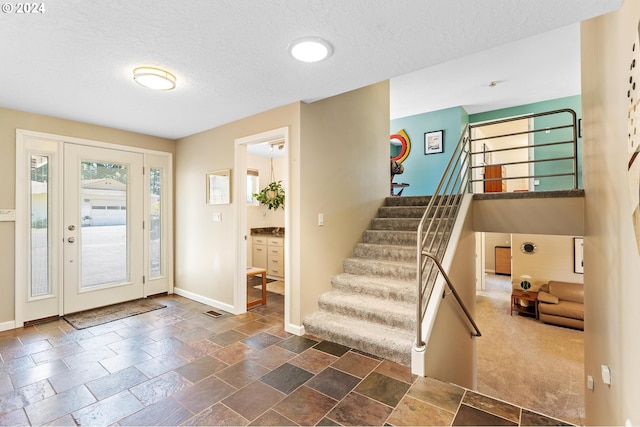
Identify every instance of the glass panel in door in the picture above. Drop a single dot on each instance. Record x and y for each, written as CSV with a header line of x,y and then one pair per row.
x,y
155,222
39,207
103,210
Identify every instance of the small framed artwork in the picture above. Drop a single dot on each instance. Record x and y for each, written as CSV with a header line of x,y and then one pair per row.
x,y
433,142
219,187
578,255
486,155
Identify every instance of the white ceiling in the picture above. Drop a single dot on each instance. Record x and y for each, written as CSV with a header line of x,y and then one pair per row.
x,y
230,57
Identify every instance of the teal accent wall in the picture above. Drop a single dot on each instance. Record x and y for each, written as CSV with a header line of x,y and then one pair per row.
x,y
423,171
542,168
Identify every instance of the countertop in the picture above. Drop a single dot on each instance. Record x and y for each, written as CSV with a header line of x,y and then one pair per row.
x,y
268,231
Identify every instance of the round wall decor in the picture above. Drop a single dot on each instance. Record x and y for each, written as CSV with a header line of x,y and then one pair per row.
x,y
528,247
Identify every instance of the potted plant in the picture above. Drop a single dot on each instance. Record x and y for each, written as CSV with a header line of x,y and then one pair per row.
x,y
272,196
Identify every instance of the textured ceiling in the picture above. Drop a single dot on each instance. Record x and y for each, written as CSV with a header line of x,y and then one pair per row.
x,y
230,56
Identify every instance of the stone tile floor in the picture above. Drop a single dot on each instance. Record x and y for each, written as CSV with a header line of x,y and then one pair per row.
x,y
179,366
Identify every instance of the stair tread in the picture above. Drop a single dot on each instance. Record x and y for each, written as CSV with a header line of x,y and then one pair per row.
x,y
377,280
383,262
383,341
370,302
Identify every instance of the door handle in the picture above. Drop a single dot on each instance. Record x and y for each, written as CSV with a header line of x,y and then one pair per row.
x,y
71,239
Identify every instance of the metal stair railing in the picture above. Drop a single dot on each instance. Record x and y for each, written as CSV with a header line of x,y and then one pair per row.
x,y
435,228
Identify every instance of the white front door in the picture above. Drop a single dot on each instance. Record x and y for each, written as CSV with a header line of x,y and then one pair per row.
x,y
103,234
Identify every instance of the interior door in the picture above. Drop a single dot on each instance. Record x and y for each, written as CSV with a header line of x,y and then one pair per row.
x,y
103,227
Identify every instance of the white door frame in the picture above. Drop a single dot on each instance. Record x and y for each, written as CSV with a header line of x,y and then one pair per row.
x,y
23,137
239,177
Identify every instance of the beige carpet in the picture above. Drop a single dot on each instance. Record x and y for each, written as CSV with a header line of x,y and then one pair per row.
x,y
277,287
98,316
527,362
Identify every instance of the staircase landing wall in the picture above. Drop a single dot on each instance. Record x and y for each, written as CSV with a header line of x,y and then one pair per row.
x,y
450,352
562,216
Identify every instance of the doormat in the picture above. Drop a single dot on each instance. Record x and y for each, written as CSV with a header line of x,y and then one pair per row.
x,y
99,316
277,287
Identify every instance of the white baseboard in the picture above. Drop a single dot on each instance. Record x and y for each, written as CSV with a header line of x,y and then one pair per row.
x,y
204,300
7,326
295,329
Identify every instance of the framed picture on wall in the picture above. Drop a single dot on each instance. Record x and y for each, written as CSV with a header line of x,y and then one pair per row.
x,y
578,258
219,187
434,142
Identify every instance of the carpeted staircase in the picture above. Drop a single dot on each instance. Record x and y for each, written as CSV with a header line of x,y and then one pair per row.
x,y
372,306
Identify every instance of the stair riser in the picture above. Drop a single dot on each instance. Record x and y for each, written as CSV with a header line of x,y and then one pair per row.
x,y
386,237
407,201
398,224
381,318
409,211
385,253
383,237
372,347
372,268
369,314
407,295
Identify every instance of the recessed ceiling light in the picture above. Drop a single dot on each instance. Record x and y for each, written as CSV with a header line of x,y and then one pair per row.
x,y
154,78
310,49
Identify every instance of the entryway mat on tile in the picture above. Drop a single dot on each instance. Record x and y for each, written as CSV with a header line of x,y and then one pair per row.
x,y
101,315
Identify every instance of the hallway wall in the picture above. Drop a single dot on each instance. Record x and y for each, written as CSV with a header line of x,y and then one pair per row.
x,y
611,255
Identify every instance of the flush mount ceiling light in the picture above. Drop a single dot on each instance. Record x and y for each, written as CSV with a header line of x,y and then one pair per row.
x,y
154,78
310,49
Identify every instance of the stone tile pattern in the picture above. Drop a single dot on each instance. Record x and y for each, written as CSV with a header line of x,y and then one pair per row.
x,y
179,366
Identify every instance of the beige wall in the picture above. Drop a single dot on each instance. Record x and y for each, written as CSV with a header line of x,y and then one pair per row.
x,y
10,120
344,164
334,145
553,260
612,261
563,216
451,353
206,253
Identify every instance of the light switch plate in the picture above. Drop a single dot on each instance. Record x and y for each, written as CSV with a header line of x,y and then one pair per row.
x,y
217,216
606,374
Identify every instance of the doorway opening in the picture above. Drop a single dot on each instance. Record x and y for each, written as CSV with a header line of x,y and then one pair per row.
x,y
263,240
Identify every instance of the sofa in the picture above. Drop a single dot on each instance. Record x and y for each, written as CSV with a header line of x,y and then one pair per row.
x,y
562,303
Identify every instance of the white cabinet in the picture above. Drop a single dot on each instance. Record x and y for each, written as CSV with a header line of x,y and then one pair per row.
x,y
268,253
259,251
275,256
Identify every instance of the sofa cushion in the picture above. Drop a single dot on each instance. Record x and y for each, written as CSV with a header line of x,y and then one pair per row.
x,y
548,298
566,291
570,309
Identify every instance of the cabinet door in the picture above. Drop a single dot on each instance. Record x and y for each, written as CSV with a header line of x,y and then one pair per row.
x,y
259,254
503,260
